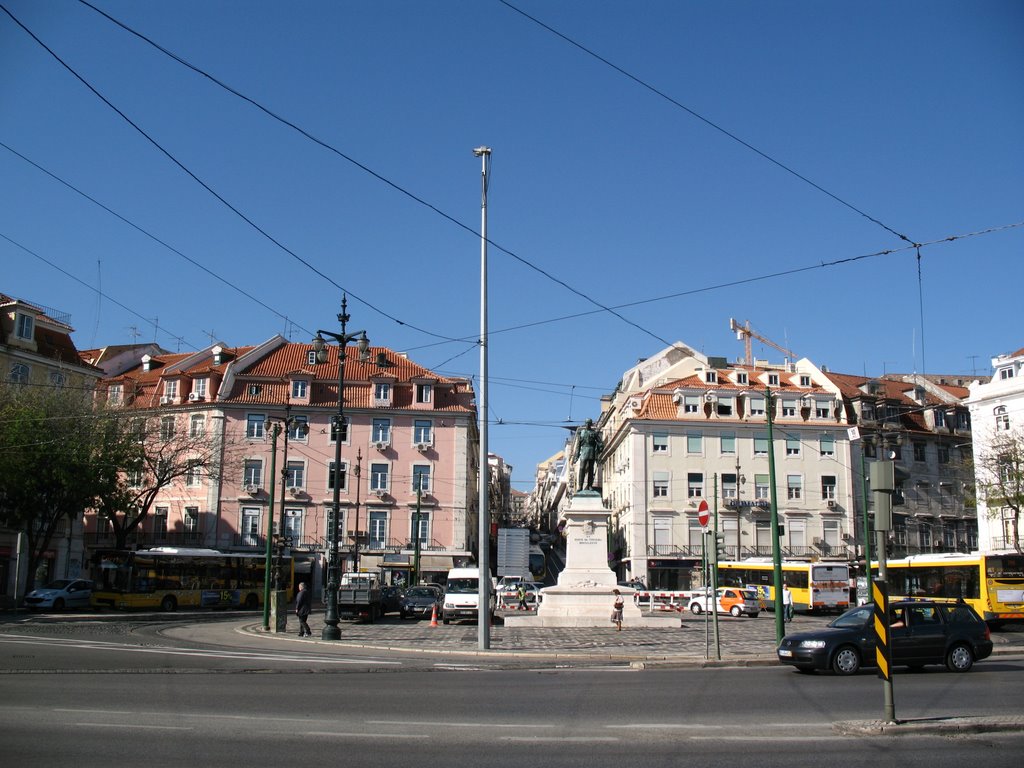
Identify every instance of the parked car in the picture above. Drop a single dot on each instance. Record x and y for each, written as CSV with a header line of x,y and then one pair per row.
x,y
391,599
419,602
732,600
61,594
921,632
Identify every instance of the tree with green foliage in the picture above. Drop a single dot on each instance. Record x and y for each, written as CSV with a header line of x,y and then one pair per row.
x,y
1000,478
58,457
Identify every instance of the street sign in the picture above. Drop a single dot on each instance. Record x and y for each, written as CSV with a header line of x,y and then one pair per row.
x,y
703,516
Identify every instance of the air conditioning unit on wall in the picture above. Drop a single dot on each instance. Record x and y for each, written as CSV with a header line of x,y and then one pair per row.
x,y
380,445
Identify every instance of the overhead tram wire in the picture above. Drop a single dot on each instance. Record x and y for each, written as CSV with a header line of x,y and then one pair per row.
x,y
361,166
704,120
147,320
151,236
768,276
209,189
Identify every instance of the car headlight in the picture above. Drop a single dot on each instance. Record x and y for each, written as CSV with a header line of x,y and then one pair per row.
x,y
812,643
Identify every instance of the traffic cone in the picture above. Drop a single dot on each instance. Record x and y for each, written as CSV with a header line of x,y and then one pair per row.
x,y
433,616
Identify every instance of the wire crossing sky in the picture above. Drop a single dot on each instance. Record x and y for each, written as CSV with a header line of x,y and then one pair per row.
x,y
657,169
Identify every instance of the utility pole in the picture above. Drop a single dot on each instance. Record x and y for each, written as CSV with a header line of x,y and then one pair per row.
x,y
484,523
780,619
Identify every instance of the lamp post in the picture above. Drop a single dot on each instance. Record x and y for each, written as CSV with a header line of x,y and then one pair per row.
x,y
275,430
289,424
484,523
331,631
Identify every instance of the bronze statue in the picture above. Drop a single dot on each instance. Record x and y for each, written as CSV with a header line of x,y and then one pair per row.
x,y
588,450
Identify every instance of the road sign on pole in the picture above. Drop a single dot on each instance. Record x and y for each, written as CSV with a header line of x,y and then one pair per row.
x,y
703,515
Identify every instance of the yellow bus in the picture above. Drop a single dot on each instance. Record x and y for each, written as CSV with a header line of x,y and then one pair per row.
x,y
816,587
991,582
168,578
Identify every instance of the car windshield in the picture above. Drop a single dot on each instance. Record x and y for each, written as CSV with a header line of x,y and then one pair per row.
x,y
59,584
462,586
748,595
420,592
855,617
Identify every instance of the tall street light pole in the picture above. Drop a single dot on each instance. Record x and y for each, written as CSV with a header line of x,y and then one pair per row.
x,y
275,430
484,527
331,630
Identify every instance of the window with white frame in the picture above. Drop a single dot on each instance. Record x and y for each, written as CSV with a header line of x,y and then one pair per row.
x,y
762,489
298,427
828,487
963,420
166,427
724,406
115,394
728,443
381,432
196,425
424,393
24,326
193,473
868,412
342,476
250,526
711,377
662,534
830,532
422,430
191,519
691,404
741,377
57,379
421,478
729,485
794,487
792,445
423,534
760,445
311,357
300,389
293,523
827,445
382,393
694,442
756,405
134,477
694,485
254,425
378,529
160,521
1005,373
940,417
19,374
773,379
201,387
822,409
295,474
659,442
1002,418
252,473
695,534
805,380
329,520
344,428
660,487
171,388
763,535
796,533
379,477
788,407
892,412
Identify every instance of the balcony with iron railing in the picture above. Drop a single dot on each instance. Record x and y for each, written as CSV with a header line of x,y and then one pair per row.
x,y
146,539
675,550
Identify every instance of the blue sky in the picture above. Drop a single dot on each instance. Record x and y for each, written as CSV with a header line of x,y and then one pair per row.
x,y
661,155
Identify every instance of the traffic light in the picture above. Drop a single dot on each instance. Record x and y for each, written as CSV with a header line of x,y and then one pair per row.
x,y
716,547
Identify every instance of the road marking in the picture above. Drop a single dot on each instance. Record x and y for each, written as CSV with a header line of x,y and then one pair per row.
x,y
390,736
442,724
767,738
141,727
104,645
574,739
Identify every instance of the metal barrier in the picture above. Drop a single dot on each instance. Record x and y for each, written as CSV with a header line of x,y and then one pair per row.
x,y
658,600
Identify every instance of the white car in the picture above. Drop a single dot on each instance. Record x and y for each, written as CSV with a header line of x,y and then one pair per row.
x,y
61,594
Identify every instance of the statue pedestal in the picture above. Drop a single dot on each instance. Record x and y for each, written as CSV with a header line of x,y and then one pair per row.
x,y
583,595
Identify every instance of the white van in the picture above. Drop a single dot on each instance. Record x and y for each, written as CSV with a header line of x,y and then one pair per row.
x,y
462,595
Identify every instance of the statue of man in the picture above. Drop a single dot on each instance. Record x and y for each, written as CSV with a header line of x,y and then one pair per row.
x,y
588,450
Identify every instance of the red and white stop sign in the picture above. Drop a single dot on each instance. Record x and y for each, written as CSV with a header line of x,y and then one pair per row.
x,y
703,516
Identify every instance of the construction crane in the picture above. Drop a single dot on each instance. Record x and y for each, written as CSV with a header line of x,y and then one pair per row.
x,y
745,333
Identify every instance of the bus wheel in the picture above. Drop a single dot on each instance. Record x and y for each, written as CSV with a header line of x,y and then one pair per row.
x,y
168,604
252,602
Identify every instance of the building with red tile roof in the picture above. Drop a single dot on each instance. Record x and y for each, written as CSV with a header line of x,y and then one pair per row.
x,y
405,427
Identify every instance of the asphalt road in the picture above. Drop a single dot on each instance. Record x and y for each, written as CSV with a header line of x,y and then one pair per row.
x,y
170,692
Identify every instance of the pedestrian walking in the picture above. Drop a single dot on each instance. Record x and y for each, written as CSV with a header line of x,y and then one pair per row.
x,y
787,603
303,605
617,611
521,592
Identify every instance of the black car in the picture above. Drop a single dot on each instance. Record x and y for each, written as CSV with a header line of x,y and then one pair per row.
x,y
922,632
419,602
391,599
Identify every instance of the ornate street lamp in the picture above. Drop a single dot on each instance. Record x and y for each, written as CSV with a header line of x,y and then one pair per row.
x,y
331,630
